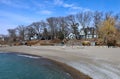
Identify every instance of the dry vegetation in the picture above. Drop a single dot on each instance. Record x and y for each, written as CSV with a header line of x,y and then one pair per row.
x,y
108,33
43,42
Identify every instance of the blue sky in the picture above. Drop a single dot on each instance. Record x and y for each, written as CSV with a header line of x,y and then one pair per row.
x,y
24,12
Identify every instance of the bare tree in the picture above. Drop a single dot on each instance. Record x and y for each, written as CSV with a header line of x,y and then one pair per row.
x,y
22,31
63,27
98,16
30,32
117,16
38,27
52,22
71,21
117,19
84,18
12,35
108,15
45,33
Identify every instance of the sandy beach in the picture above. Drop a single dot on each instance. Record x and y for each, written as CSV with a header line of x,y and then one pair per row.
x,y
96,62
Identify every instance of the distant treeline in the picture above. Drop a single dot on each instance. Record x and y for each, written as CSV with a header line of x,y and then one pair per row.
x,y
60,27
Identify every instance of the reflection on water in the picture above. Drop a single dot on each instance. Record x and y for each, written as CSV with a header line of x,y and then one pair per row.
x,y
17,66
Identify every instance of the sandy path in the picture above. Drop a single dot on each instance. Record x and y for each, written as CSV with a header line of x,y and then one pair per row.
x,y
98,63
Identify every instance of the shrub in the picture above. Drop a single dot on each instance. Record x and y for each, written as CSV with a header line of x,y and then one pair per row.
x,y
86,43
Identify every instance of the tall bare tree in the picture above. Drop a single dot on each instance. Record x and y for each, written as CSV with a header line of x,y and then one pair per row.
x,y
30,32
38,27
108,15
45,33
12,35
71,21
97,18
117,20
52,22
84,18
63,27
22,31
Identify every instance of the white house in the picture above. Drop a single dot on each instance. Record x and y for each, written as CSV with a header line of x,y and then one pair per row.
x,y
90,33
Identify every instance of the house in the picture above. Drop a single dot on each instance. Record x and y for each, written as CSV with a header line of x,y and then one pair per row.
x,y
2,38
71,36
88,32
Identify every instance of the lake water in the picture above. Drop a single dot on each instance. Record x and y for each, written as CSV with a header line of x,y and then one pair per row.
x,y
19,66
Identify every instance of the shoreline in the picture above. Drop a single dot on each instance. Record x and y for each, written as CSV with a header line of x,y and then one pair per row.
x,y
75,74
72,71
98,63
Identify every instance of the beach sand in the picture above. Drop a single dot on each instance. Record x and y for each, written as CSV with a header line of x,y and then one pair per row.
x,y
96,62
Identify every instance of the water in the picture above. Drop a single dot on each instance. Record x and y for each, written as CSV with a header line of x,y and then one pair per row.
x,y
17,66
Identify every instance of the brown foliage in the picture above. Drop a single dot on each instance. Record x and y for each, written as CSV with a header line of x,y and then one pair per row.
x,y
99,42
55,41
43,42
33,42
107,28
3,42
86,43
111,41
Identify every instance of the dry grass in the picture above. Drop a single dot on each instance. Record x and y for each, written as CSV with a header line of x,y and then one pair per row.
x,y
3,42
43,42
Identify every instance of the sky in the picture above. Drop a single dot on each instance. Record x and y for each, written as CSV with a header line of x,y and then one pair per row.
x,y
24,12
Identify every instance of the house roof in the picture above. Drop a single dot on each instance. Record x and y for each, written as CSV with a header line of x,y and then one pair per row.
x,y
89,30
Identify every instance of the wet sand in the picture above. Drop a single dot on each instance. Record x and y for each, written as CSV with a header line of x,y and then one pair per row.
x,y
96,62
